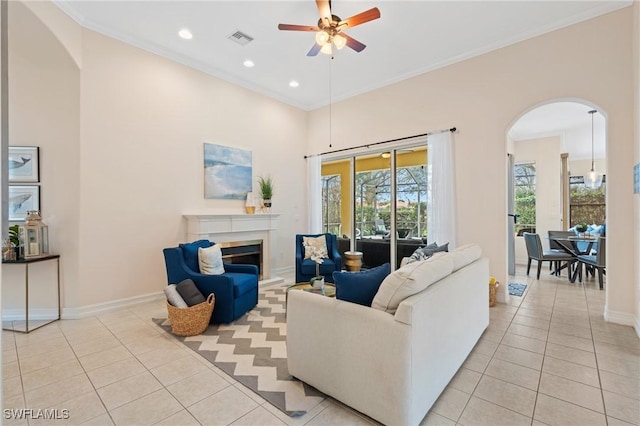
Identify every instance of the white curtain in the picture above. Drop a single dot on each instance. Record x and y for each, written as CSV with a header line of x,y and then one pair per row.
x,y
314,183
441,203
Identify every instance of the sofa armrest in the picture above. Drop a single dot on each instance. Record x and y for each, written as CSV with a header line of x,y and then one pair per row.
x,y
330,344
241,268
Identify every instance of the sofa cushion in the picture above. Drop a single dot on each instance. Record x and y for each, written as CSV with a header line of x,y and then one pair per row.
x,y
210,260
411,279
424,253
360,287
190,253
190,293
173,297
464,255
315,246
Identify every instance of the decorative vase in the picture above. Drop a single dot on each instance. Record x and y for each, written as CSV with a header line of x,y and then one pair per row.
x,y
266,203
317,282
250,204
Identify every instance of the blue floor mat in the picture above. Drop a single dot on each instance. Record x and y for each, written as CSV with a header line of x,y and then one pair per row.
x,y
516,289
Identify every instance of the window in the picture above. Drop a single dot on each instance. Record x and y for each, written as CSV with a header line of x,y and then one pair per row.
x,y
586,205
331,187
525,197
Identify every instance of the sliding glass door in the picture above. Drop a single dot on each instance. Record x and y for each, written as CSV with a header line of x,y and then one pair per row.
x,y
376,203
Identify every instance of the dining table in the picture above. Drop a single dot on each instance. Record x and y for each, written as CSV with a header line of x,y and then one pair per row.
x,y
571,245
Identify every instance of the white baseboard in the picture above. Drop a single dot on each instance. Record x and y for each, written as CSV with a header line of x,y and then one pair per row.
x,y
42,314
100,308
623,318
285,271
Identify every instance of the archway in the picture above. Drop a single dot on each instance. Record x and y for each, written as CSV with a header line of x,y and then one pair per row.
x,y
549,150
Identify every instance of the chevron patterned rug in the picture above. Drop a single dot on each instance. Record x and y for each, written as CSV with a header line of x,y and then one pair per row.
x,y
253,351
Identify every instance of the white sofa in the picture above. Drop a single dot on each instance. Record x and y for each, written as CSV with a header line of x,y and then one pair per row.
x,y
391,367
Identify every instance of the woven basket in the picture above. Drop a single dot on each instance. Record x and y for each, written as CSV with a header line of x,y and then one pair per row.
x,y
192,320
493,292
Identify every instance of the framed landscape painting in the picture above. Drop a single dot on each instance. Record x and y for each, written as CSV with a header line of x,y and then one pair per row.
x,y
23,198
24,164
227,172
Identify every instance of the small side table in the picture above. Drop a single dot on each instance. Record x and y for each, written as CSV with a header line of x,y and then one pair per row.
x,y
26,326
353,260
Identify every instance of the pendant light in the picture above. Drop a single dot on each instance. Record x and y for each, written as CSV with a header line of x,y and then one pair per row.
x,y
593,179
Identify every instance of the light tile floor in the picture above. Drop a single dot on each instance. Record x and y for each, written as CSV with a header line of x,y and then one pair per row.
x,y
547,358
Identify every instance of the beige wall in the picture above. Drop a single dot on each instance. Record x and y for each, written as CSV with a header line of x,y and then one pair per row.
x,y
636,138
44,110
590,62
122,155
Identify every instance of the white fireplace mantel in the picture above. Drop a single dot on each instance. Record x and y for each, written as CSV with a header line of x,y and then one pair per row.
x,y
235,227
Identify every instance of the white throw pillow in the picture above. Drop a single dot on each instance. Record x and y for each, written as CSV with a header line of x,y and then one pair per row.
x,y
411,279
210,260
315,246
464,255
174,297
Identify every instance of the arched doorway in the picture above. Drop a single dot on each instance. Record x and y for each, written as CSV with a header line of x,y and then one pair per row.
x,y
550,151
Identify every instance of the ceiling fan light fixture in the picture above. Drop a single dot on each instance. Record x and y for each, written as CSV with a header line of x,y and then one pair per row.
x,y
340,41
322,37
326,49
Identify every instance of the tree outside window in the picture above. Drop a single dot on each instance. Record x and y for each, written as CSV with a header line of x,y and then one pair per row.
x,y
525,197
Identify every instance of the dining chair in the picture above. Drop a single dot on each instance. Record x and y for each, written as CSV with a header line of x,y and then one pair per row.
x,y
535,252
597,261
557,247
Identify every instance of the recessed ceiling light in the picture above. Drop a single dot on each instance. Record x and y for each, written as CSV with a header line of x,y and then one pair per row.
x,y
185,34
248,63
294,83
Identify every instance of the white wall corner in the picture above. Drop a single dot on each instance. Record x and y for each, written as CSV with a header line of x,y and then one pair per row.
x,y
623,318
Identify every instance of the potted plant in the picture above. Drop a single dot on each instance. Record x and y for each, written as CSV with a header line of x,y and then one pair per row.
x,y
14,239
581,227
265,183
318,280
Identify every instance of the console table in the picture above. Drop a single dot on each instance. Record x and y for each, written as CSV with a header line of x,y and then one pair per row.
x,y
31,324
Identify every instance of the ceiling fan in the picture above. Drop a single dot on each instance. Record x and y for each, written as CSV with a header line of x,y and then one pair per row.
x,y
330,26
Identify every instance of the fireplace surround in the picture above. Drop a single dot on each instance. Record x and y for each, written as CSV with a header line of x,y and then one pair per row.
x,y
233,231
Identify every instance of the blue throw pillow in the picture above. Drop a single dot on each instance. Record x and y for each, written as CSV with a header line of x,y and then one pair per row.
x,y
190,253
360,287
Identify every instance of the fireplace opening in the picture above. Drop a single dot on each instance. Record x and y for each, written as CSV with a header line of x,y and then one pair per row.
x,y
245,252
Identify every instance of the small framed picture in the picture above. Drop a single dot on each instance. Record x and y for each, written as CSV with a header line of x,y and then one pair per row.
x,y
23,198
24,164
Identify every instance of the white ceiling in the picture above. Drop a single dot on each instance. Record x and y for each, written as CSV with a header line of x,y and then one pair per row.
x,y
410,38
569,120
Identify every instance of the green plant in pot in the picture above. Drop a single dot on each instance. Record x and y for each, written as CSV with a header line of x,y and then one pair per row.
x,y
14,240
265,183
581,227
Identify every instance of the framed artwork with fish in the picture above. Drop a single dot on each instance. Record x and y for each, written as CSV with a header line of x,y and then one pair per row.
x,y
24,164
23,198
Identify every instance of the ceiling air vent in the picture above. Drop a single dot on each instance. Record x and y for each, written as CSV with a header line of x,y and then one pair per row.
x,y
241,38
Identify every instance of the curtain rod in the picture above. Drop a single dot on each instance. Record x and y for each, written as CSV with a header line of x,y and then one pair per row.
x,y
453,129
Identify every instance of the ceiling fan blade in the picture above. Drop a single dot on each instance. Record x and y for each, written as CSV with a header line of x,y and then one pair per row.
x,y
324,8
353,43
361,18
289,27
314,50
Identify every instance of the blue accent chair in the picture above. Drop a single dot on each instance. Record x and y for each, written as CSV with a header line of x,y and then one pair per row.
x,y
236,291
306,268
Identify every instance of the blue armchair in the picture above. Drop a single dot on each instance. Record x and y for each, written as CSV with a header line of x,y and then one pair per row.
x,y
236,291
306,268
